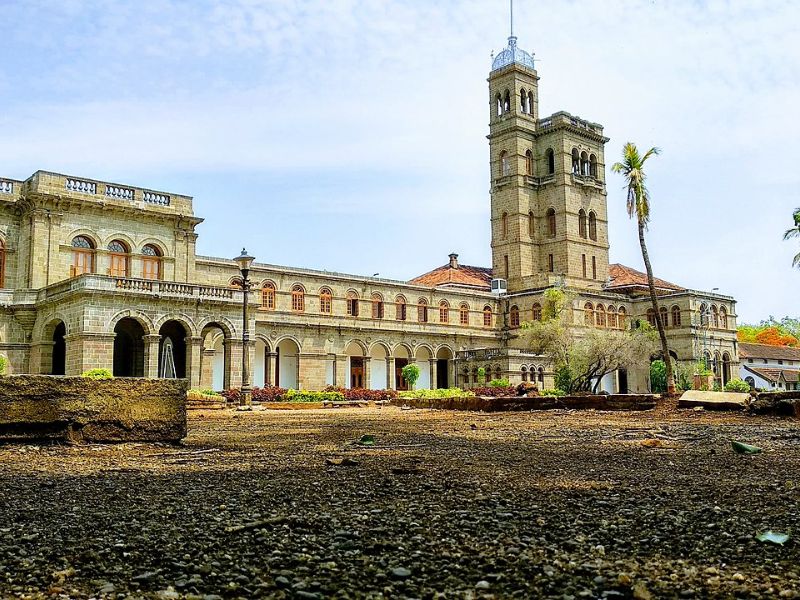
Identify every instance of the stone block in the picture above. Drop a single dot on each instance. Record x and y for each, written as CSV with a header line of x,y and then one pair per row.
x,y
80,409
714,400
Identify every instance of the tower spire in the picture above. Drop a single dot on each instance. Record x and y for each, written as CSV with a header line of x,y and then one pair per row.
x,y
512,17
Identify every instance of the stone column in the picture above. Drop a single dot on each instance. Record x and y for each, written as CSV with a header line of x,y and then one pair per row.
x,y
233,363
454,373
194,352
340,374
207,368
151,343
269,368
390,379
366,372
434,373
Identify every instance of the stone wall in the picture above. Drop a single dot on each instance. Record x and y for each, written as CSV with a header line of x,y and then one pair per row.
x,y
776,403
82,409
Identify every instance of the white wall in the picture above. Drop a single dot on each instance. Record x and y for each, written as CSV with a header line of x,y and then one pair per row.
x,y
218,368
259,374
377,373
288,372
424,381
329,379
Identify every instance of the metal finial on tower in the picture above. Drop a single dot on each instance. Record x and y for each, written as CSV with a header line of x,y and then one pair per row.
x,y
512,17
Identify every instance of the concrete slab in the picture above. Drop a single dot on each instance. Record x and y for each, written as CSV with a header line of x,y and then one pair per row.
x,y
714,400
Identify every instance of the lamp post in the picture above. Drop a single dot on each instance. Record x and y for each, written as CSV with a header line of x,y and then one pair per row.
x,y
244,260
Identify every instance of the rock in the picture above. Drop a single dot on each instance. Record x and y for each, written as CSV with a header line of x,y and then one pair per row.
x,y
482,585
400,573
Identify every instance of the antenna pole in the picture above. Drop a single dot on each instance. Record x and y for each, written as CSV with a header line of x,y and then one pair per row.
x,y
512,18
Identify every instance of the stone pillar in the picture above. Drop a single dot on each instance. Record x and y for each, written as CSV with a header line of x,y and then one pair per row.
x,y
340,374
207,368
366,372
390,380
269,368
233,363
151,343
194,353
454,373
434,373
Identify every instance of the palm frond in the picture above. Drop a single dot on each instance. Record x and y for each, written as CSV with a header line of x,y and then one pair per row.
x,y
796,260
791,233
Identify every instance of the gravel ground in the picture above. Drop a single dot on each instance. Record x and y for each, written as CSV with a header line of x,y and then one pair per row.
x,y
454,505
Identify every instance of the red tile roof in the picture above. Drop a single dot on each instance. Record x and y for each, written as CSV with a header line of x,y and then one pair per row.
x,y
747,350
622,277
773,375
462,276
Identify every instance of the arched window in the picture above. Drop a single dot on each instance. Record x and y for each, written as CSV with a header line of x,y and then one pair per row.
x,y
463,314
551,161
151,262
651,317
551,222
576,161
601,315
118,252
444,312
582,223
326,301
723,317
523,101
400,308
530,103
422,310
499,104
676,316
664,316
298,299
524,373
592,226
541,376
82,256
584,163
612,317
377,306
507,102
537,312
487,316
593,165
714,316
588,314
704,315
530,224
235,283
528,162
505,164
504,225
268,295
514,316
621,316
352,303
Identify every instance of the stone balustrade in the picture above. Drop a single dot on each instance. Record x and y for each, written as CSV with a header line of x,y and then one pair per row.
x,y
78,185
6,187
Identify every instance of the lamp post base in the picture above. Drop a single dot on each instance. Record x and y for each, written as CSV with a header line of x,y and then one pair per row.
x,y
246,401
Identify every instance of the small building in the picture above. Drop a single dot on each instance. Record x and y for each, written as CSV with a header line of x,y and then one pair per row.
x,y
770,367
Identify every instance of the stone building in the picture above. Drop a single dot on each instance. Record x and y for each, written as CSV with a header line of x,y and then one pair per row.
x,y
105,275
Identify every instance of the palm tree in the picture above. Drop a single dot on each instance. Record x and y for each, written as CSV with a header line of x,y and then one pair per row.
x,y
793,233
632,169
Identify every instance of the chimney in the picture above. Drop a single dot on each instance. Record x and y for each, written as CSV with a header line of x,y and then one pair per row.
x,y
453,261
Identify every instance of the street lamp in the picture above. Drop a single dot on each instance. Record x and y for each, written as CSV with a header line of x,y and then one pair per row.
x,y
244,260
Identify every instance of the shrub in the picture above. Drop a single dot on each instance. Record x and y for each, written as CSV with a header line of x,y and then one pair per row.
x,y
499,383
737,385
553,392
196,394
233,395
363,394
311,396
563,378
269,393
441,393
496,391
527,389
481,376
410,374
3,364
658,376
98,374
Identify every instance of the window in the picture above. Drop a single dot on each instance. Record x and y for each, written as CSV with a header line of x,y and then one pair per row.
x,y
499,102
612,317
541,376
268,295
487,316
235,283
507,102
551,161
505,164
594,267
621,314
530,103
377,306
723,317
714,316
583,265
400,308
551,263
151,262
664,316
676,316
352,303
298,299
119,259
524,374
514,316
593,165
551,222
326,301
530,224
529,163
537,312
584,163
523,101
82,256
588,314
582,223
704,315
422,310
576,162
651,317
444,312
600,316
463,314
592,226
504,225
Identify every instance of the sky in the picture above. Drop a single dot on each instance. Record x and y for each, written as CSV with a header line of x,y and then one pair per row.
x,y
350,135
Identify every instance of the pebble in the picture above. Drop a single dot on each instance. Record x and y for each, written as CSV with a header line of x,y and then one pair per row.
x,y
482,585
400,573
282,582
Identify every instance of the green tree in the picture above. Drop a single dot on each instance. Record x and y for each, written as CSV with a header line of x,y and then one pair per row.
x,y
410,373
658,377
638,199
793,233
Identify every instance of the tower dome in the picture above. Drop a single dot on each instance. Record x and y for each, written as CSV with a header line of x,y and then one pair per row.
x,y
513,54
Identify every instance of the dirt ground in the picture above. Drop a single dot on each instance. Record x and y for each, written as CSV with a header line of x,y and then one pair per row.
x,y
553,504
